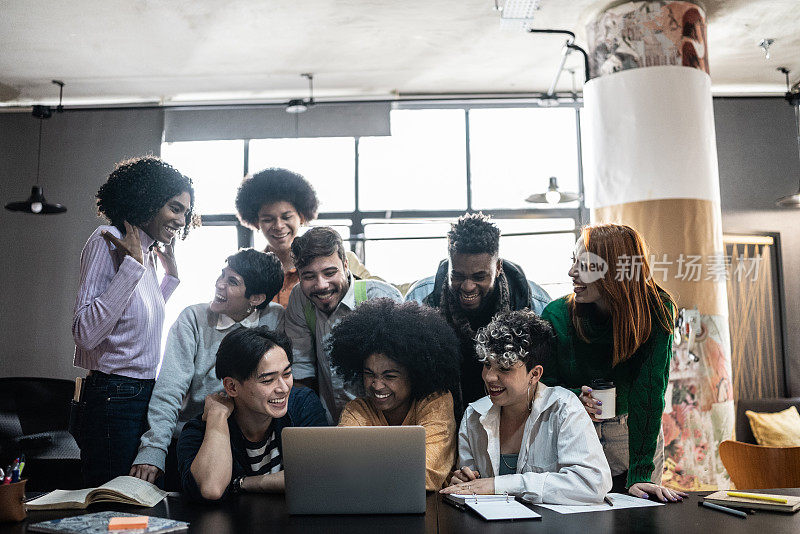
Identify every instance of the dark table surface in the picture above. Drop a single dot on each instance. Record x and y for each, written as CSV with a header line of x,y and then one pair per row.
x,y
267,513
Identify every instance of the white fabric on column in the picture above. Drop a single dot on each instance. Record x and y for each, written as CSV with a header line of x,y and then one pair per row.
x,y
652,137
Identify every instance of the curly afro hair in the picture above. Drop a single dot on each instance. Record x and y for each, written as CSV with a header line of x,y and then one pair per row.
x,y
513,336
416,337
473,233
275,185
138,188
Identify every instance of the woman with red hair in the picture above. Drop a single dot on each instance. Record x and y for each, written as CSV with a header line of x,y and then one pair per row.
x,y
616,327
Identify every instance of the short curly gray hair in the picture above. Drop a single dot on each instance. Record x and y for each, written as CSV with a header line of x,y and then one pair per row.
x,y
514,336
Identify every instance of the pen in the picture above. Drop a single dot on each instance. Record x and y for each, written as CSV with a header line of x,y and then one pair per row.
x,y
608,500
725,509
756,496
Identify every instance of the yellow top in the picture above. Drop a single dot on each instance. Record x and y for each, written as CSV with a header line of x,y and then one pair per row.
x,y
434,413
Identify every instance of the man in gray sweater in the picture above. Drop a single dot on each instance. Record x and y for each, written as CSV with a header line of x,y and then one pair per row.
x,y
242,297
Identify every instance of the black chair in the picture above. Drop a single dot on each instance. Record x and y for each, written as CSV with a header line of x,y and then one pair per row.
x,y
34,420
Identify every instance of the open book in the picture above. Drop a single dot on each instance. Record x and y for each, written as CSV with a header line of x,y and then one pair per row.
x,y
125,490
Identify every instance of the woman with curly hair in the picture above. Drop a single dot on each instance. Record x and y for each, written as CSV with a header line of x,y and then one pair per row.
x,y
277,202
404,361
119,311
617,326
524,438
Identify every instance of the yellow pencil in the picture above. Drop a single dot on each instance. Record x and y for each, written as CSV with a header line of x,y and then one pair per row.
x,y
757,496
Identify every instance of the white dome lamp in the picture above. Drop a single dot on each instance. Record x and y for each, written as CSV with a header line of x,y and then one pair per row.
x,y
36,203
553,195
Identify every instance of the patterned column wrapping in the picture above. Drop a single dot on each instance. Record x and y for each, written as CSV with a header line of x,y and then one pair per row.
x,y
651,163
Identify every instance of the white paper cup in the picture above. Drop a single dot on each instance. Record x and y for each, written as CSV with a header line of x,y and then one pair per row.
x,y
605,392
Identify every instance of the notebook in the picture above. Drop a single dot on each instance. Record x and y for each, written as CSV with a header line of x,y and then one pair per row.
x,y
493,507
353,461
97,523
721,497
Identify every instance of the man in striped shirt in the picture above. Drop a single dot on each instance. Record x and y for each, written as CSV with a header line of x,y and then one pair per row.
x,y
235,445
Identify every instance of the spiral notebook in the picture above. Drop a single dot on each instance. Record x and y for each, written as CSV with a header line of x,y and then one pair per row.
x,y
493,507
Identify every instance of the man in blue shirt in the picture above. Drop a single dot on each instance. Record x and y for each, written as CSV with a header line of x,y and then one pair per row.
x,y
471,286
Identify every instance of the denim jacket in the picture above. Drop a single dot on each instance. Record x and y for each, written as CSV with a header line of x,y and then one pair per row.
x,y
524,293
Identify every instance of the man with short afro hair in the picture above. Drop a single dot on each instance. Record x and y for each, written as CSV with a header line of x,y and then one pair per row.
x,y
471,286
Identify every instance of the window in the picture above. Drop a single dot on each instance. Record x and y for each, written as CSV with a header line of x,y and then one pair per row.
x,y
421,166
216,168
514,152
403,252
328,163
200,259
397,195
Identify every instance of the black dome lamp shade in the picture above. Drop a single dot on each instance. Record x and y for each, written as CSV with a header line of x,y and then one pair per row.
x,y
36,203
299,105
793,97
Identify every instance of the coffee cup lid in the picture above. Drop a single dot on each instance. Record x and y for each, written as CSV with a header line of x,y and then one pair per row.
x,y
602,383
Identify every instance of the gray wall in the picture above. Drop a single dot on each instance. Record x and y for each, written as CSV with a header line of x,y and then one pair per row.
x,y
40,254
758,163
39,266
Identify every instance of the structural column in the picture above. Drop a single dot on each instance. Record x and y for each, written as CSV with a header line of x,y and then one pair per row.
x,y
651,163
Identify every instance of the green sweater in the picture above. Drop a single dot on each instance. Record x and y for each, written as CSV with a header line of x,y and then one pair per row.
x,y
641,381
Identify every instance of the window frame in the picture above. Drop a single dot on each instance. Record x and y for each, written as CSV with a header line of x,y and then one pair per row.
x,y
579,214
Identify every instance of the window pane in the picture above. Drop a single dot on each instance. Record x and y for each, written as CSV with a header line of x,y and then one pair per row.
x,y
515,151
546,259
422,165
327,162
200,259
216,167
403,261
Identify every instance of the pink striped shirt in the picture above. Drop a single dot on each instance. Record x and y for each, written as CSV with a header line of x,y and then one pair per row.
x,y
119,312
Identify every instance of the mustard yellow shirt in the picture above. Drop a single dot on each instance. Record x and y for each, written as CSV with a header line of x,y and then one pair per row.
x,y
434,413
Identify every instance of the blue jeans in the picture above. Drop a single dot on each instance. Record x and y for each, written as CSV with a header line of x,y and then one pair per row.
x,y
114,419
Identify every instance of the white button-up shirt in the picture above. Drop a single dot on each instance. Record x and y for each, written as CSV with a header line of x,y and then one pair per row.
x,y
560,461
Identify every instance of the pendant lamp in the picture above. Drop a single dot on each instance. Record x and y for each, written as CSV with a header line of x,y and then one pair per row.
x,y
553,195
792,201
36,203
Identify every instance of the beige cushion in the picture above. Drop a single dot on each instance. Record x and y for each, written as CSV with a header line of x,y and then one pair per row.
x,y
779,429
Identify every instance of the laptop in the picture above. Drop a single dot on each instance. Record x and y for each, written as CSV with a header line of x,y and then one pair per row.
x,y
354,470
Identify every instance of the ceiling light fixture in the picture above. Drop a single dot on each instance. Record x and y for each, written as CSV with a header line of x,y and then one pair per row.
x,y
793,97
764,44
517,9
297,105
36,203
553,195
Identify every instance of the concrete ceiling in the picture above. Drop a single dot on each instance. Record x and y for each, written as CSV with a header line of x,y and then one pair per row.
x,y
178,51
